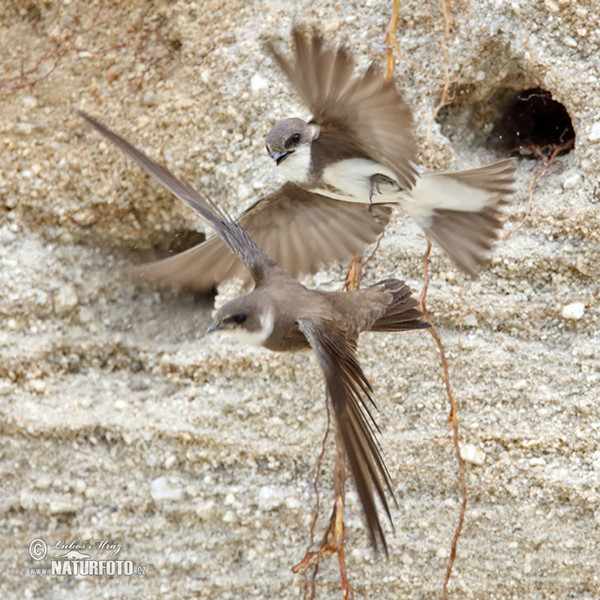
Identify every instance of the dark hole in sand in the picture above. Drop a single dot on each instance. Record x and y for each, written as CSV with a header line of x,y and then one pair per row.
x,y
531,123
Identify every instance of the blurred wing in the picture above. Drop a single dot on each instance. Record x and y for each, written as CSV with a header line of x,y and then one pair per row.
x,y
367,107
229,231
301,231
351,397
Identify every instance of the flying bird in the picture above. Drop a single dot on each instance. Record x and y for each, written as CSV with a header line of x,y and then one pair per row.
x,y
358,147
284,316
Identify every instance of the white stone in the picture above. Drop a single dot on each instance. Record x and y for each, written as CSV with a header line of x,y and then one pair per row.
x,y
66,300
470,321
162,489
269,498
38,386
573,311
258,84
24,128
595,132
43,482
472,454
571,181
30,102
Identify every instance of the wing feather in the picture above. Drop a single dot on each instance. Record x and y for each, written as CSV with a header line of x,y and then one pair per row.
x,y
351,397
320,229
367,108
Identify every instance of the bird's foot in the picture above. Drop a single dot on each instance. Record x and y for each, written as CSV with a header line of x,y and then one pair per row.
x,y
377,181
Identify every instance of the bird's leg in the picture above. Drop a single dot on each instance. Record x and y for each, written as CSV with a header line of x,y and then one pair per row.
x,y
354,274
375,183
333,540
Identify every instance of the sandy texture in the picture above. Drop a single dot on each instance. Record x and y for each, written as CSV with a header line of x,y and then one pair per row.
x,y
105,389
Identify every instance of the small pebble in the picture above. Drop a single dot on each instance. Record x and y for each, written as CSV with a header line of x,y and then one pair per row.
x,y
43,482
112,73
573,311
85,217
571,182
170,461
293,503
258,84
24,128
79,486
38,386
206,509
30,102
470,321
269,498
472,454
66,300
595,132
162,489
59,507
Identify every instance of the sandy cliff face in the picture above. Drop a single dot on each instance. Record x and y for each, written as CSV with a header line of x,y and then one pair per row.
x,y
105,388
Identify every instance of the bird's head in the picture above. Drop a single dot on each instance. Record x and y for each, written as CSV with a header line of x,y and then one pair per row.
x,y
249,318
289,137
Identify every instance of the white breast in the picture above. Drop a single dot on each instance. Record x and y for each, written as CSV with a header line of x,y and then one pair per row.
x,y
352,180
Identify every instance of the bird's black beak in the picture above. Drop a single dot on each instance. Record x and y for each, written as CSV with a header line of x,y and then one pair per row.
x,y
279,157
214,327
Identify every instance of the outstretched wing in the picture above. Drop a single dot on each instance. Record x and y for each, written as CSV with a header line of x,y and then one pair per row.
x,y
351,397
367,107
228,230
301,231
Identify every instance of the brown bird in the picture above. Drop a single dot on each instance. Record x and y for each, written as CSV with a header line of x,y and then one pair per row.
x,y
359,148
283,315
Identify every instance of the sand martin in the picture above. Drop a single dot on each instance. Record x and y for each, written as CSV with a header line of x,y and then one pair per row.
x,y
285,316
358,147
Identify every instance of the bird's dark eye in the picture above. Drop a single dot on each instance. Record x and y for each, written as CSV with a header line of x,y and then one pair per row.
x,y
239,319
295,138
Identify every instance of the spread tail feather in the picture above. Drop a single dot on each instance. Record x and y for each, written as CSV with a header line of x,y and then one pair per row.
x,y
466,236
461,210
402,313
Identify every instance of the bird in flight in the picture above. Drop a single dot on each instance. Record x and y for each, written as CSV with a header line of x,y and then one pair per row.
x,y
284,316
358,148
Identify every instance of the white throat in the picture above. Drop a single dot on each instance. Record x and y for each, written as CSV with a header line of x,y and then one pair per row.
x,y
256,338
297,165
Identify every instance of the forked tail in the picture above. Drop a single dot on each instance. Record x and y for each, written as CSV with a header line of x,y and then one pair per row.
x,y
402,313
461,211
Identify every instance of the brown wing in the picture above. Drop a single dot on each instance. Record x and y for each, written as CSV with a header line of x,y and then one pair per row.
x,y
301,231
366,106
234,236
351,397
